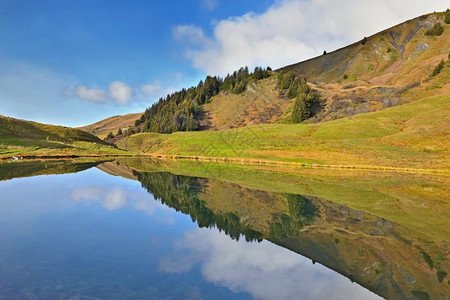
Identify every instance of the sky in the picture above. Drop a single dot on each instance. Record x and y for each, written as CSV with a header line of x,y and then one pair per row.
x,y
75,62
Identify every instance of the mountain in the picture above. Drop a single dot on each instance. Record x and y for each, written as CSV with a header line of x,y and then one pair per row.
x,y
24,138
387,69
102,128
346,102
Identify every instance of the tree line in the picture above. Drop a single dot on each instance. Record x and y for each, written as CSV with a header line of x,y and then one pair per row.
x,y
180,110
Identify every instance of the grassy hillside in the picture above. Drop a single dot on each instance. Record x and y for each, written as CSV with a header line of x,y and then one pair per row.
x,y
414,135
112,124
389,68
23,138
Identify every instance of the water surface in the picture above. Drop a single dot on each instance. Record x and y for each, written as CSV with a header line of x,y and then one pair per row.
x,y
157,235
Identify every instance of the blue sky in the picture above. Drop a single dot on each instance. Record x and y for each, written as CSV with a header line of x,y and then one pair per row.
x,y
75,62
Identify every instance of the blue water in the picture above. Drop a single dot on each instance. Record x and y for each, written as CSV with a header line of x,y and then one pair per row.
x,y
91,235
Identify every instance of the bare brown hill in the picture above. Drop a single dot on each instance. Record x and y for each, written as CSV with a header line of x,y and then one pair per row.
x,y
112,124
259,104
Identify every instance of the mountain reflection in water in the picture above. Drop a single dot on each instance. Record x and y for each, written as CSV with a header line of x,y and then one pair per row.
x,y
388,259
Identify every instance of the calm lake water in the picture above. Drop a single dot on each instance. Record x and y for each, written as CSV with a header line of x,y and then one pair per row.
x,y
156,235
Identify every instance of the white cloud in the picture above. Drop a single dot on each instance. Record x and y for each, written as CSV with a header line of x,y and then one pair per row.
x,y
210,4
264,270
151,89
89,94
191,34
120,92
291,31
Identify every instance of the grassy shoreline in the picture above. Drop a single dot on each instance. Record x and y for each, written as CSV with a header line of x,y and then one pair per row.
x,y
411,136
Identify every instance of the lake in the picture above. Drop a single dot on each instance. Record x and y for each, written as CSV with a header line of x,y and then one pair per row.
x,y
149,229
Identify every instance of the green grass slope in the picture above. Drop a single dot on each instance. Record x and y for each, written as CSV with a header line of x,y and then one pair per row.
x,y
414,135
24,138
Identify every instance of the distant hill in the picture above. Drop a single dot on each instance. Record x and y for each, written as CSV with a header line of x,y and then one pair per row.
x,y
112,124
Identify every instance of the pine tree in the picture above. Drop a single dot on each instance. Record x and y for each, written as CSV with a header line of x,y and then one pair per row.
x,y
300,111
286,80
447,16
294,88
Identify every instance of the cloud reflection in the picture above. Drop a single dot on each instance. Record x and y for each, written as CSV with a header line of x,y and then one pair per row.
x,y
117,197
264,270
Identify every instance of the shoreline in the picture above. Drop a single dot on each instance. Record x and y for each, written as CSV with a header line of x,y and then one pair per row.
x,y
238,160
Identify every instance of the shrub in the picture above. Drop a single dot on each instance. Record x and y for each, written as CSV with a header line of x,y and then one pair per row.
x,y
388,50
437,30
109,136
324,52
438,68
345,76
364,41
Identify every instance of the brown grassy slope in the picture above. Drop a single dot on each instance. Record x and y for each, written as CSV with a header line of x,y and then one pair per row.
x,y
112,124
412,58
259,104
112,168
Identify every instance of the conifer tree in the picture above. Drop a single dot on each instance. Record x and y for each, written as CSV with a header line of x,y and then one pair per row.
x,y
300,111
